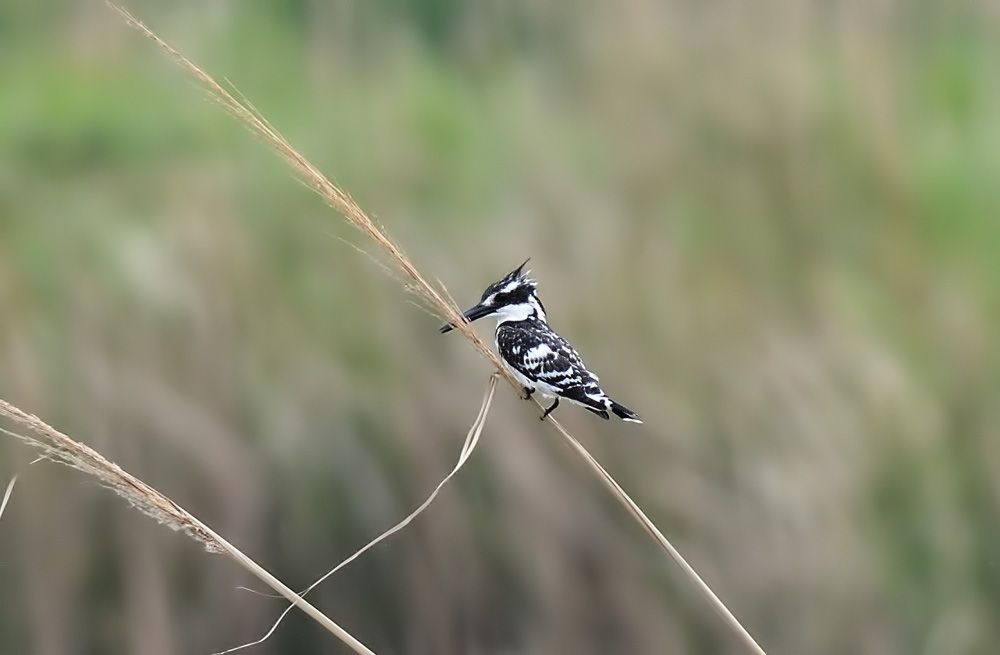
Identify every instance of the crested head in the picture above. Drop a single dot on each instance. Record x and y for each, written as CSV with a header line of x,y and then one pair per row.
x,y
511,298
516,283
514,297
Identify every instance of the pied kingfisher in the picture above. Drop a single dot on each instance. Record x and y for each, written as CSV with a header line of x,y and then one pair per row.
x,y
536,356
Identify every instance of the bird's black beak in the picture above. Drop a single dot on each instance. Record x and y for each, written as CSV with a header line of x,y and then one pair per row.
x,y
472,314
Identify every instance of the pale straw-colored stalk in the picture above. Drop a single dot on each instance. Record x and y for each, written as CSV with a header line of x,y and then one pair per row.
x,y
471,440
342,202
6,495
655,533
58,447
333,195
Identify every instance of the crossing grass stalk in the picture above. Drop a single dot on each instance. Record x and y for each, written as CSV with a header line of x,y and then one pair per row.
x,y
58,447
471,440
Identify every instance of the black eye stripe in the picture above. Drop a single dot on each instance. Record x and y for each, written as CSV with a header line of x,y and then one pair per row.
x,y
499,294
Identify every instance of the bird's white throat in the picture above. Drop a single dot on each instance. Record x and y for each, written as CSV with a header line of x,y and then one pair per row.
x,y
521,311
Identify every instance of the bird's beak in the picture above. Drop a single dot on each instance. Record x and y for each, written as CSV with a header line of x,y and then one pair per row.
x,y
472,314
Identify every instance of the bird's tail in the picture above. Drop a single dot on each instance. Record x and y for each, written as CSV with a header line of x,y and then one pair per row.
x,y
624,413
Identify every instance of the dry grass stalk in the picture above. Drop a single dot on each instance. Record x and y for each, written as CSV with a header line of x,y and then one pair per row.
x,y
331,193
56,446
6,495
655,533
342,202
471,440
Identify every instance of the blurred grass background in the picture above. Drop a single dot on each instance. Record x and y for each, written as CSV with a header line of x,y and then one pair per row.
x,y
773,228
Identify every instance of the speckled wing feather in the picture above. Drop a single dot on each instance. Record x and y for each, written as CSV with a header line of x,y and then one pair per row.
x,y
543,356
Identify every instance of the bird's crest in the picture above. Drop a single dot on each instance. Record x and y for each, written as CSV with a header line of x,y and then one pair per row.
x,y
516,279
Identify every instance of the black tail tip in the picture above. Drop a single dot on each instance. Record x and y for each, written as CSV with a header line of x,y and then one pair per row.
x,y
624,413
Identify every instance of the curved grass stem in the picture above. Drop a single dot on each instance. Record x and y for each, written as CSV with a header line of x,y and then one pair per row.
x,y
60,448
471,440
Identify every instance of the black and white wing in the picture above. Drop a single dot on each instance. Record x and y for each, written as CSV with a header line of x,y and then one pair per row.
x,y
551,363
541,355
547,361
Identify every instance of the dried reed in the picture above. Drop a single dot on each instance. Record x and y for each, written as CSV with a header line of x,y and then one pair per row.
x,y
327,190
58,447
6,495
342,202
471,440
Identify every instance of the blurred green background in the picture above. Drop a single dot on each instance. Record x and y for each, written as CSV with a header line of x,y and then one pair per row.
x,y
772,228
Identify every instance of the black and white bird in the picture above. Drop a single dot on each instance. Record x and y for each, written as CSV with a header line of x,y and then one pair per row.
x,y
536,356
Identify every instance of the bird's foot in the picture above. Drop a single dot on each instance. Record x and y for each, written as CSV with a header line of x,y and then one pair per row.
x,y
545,415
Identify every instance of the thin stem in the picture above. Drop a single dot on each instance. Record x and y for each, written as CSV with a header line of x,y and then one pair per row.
x,y
471,440
60,448
287,592
654,532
